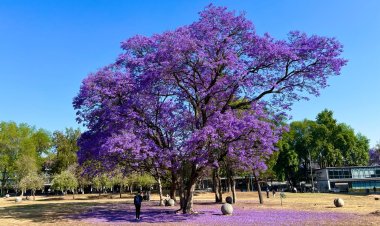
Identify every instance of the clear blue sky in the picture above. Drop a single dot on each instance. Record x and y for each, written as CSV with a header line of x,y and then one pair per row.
x,y
48,47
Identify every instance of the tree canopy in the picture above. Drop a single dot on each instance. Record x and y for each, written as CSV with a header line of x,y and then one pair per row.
x,y
325,141
21,150
374,155
171,96
65,149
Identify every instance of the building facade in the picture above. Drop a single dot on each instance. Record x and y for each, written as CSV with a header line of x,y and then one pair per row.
x,y
344,179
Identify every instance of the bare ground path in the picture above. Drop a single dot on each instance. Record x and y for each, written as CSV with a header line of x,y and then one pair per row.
x,y
297,209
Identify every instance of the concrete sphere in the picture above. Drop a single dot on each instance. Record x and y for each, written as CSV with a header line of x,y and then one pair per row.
x,y
171,202
18,199
7,196
338,202
229,199
227,209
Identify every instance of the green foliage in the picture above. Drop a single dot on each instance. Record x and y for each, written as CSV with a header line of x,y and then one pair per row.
x,y
32,181
65,149
287,164
324,141
119,178
24,166
143,180
82,178
102,181
337,144
42,140
21,150
271,163
65,181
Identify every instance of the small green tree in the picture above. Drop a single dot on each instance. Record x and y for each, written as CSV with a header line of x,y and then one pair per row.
x,y
82,178
143,181
32,181
120,179
65,181
101,182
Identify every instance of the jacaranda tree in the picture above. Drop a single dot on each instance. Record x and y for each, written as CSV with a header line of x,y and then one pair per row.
x,y
169,97
374,155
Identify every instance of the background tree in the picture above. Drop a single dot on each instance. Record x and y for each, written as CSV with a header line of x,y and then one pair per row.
x,y
120,179
324,141
43,142
82,177
65,181
21,151
336,144
102,182
32,181
287,164
170,93
65,149
374,155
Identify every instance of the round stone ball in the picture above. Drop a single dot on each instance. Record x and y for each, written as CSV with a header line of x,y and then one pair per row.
x,y
227,209
7,196
18,199
229,199
338,202
171,202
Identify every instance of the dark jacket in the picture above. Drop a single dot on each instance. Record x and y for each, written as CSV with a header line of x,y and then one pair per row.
x,y
137,199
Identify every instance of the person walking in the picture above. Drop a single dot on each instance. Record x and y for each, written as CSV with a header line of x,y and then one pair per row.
x,y
137,200
268,192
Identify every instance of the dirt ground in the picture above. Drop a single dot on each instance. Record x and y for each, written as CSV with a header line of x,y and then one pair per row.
x,y
296,209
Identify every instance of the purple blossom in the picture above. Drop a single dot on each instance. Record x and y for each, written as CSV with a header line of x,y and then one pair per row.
x,y
210,214
177,97
374,155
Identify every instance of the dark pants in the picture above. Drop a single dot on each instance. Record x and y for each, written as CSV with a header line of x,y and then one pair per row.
x,y
138,207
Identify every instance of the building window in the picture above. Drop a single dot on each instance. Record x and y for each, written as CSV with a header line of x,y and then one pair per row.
x,y
339,173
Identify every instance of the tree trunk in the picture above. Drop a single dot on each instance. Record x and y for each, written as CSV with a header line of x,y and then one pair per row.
x,y
189,199
73,194
34,195
259,190
218,186
214,182
160,191
173,186
120,189
247,183
233,186
187,188
181,195
4,180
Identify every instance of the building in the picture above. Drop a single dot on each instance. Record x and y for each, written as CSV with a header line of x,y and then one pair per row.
x,y
344,179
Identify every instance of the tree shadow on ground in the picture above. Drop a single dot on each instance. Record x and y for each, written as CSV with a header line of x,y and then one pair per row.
x,y
93,212
148,215
207,203
51,199
44,212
